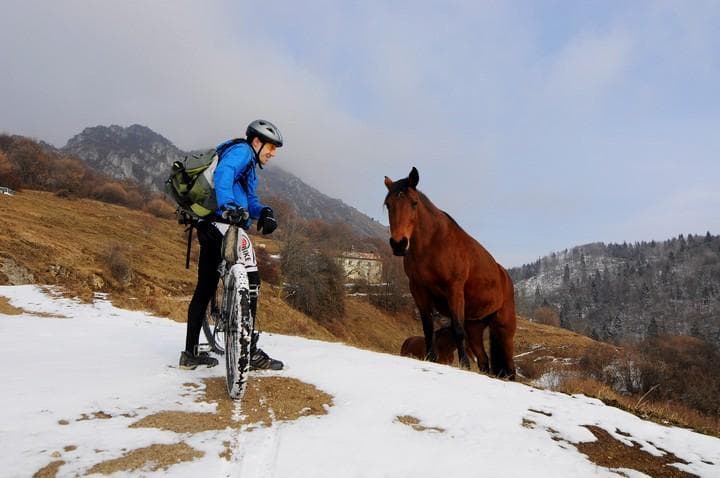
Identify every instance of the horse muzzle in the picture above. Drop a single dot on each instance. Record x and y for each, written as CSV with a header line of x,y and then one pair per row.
x,y
399,247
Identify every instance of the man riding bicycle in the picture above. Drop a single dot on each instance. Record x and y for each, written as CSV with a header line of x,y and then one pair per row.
x,y
235,182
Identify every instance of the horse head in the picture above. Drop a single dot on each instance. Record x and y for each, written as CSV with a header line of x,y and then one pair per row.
x,y
402,201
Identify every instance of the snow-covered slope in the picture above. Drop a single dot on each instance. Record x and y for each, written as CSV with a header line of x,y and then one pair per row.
x,y
100,358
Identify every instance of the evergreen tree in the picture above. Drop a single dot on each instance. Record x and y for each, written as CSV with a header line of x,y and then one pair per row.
x,y
633,290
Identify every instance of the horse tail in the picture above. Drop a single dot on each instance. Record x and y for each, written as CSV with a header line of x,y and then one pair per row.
x,y
497,357
502,332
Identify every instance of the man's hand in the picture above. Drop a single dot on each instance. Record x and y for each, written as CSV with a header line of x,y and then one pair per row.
x,y
234,214
267,223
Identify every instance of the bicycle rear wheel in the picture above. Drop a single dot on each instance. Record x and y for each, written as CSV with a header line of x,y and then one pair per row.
x,y
238,335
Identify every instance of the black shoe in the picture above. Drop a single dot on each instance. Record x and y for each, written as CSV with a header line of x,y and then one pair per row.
x,y
189,361
262,361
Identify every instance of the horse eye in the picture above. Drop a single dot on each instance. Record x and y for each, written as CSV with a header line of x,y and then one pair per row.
x,y
414,204
400,194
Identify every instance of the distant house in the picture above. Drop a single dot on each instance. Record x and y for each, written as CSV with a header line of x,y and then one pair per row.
x,y
7,191
361,266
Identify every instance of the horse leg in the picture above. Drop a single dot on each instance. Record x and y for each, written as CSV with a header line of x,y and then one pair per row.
x,y
474,331
459,335
502,333
456,301
424,304
429,331
502,345
445,346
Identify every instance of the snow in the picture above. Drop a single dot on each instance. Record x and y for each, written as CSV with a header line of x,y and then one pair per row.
x,y
100,357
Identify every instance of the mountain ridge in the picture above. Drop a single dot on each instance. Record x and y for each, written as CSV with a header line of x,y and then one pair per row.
x,y
138,153
618,292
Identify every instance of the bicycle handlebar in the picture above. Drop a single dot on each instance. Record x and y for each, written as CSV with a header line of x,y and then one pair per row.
x,y
186,219
236,216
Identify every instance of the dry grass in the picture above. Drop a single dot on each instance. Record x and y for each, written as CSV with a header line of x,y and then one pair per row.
x,y
116,261
89,246
416,424
276,316
611,453
99,415
50,470
266,399
62,242
545,348
7,309
367,327
665,413
151,458
553,341
139,259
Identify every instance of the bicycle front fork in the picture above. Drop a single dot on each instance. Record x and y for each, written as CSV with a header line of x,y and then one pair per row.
x,y
254,296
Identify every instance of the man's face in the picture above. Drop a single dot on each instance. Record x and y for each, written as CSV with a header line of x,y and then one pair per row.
x,y
268,151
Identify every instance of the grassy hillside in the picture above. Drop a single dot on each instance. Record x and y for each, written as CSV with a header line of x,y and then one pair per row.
x,y
89,247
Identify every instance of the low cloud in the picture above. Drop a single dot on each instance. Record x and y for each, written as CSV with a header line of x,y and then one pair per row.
x,y
512,132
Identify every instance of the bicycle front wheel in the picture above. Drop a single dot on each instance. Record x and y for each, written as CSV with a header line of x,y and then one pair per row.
x,y
238,336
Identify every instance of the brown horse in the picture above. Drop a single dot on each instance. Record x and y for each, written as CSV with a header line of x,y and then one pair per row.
x,y
444,347
451,272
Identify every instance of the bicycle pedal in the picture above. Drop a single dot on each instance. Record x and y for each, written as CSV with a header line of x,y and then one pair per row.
x,y
202,348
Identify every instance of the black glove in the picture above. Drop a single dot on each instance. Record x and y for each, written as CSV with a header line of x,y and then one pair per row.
x,y
234,214
267,223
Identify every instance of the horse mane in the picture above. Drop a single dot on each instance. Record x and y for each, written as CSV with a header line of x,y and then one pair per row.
x,y
432,207
403,185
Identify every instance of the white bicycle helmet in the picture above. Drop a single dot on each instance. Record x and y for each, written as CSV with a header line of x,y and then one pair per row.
x,y
265,131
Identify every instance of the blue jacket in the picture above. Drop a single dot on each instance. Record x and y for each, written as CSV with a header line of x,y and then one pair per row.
x,y
235,179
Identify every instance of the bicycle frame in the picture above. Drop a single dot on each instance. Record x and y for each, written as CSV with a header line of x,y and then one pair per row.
x,y
214,323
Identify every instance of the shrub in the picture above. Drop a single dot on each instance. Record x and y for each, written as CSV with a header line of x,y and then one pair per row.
x,y
394,294
160,208
545,314
529,369
69,176
681,368
9,173
111,192
665,368
117,263
268,267
314,281
134,200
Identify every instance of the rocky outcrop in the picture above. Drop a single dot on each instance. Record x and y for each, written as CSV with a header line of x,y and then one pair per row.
x,y
135,152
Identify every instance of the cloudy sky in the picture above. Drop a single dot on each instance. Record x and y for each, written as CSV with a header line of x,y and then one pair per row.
x,y
538,125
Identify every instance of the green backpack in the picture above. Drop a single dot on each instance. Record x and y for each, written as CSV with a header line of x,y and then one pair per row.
x,y
191,181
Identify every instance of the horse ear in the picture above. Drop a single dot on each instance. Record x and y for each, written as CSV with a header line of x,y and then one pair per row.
x,y
388,182
414,177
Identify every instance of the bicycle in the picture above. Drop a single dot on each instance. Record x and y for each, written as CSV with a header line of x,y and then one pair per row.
x,y
228,320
